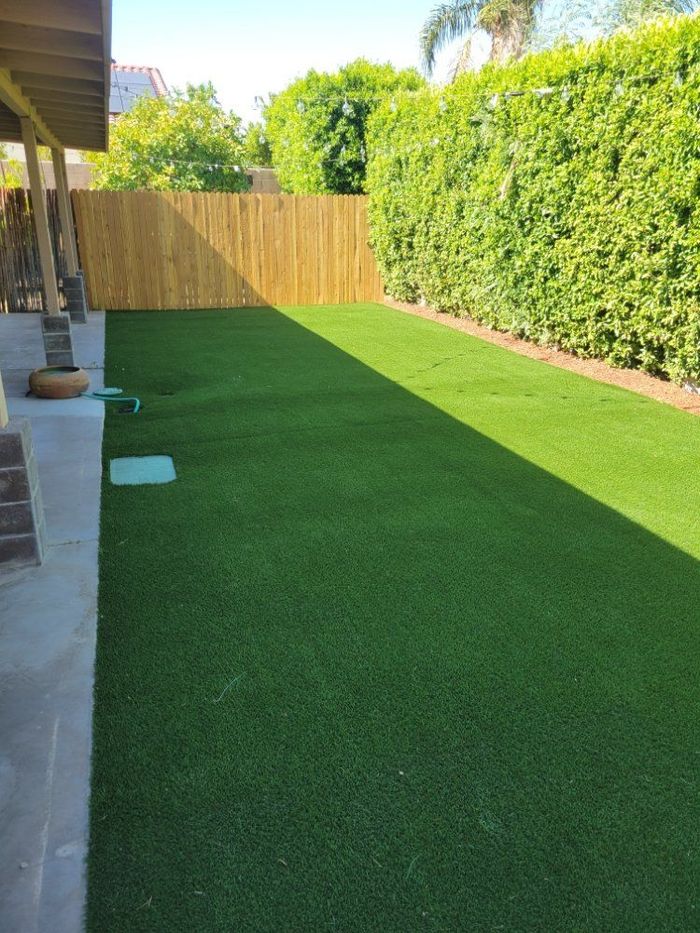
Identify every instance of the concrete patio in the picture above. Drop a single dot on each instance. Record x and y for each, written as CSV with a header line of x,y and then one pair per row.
x,y
48,618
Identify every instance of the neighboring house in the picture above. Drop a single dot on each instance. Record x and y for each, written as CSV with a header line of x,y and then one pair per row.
x,y
263,181
79,173
129,82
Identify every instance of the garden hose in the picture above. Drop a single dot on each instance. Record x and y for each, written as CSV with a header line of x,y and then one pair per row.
x,y
114,395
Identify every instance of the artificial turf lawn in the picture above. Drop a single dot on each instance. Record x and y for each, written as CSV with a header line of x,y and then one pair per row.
x,y
410,644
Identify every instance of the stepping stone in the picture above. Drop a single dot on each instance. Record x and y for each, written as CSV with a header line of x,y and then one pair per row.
x,y
141,471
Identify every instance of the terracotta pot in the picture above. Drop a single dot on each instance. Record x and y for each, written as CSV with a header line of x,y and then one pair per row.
x,y
58,382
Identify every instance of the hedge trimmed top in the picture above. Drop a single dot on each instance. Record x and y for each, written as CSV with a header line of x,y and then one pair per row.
x,y
317,126
566,214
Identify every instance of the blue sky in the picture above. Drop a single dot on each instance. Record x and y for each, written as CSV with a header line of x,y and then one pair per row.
x,y
254,47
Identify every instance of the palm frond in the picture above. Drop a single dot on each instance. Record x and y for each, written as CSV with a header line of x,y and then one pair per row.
x,y
447,22
683,6
462,61
634,12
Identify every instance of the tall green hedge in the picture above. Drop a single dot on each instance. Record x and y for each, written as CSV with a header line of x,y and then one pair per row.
x,y
567,214
317,125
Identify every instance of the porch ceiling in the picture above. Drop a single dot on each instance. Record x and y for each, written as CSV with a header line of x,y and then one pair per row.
x,y
55,67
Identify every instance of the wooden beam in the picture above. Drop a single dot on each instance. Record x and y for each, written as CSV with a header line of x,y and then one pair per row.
x,y
106,17
67,127
86,143
65,211
92,122
15,100
83,142
59,65
44,95
58,121
63,48
80,141
76,15
37,39
31,82
81,135
76,118
79,108
85,131
89,131
8,119
41,220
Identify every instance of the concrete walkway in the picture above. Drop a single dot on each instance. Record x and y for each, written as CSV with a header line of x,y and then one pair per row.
x,y
48,618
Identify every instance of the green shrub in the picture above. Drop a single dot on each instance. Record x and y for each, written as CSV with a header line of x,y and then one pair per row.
x,y
183,142
317,126
256,148
569,217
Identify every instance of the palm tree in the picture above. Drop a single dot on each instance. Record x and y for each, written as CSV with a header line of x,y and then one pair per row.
x,y
509,23
633,12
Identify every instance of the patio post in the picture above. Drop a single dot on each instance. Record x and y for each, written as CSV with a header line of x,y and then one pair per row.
x,y
54,325
64,210
4,415
22,526
73,284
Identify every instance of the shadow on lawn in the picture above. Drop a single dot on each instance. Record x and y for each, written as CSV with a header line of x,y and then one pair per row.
x,y
467,692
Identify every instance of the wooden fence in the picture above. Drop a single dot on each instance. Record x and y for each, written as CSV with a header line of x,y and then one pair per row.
x,y
21,286
162,250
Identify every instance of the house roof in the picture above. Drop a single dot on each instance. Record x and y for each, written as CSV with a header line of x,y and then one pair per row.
x,y
54,68
129,82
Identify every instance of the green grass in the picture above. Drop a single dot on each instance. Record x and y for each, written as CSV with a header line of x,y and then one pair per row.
x,y
410,644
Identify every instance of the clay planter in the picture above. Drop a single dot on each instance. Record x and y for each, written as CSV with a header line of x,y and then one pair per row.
x,y
58,382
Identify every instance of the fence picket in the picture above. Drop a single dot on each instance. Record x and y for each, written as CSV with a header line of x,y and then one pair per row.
x,y
150,250
161,250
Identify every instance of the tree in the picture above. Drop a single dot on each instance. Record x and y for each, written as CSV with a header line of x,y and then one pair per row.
x,y
578,20
317,126
509,23
11,175
630,13
185,142
256,148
